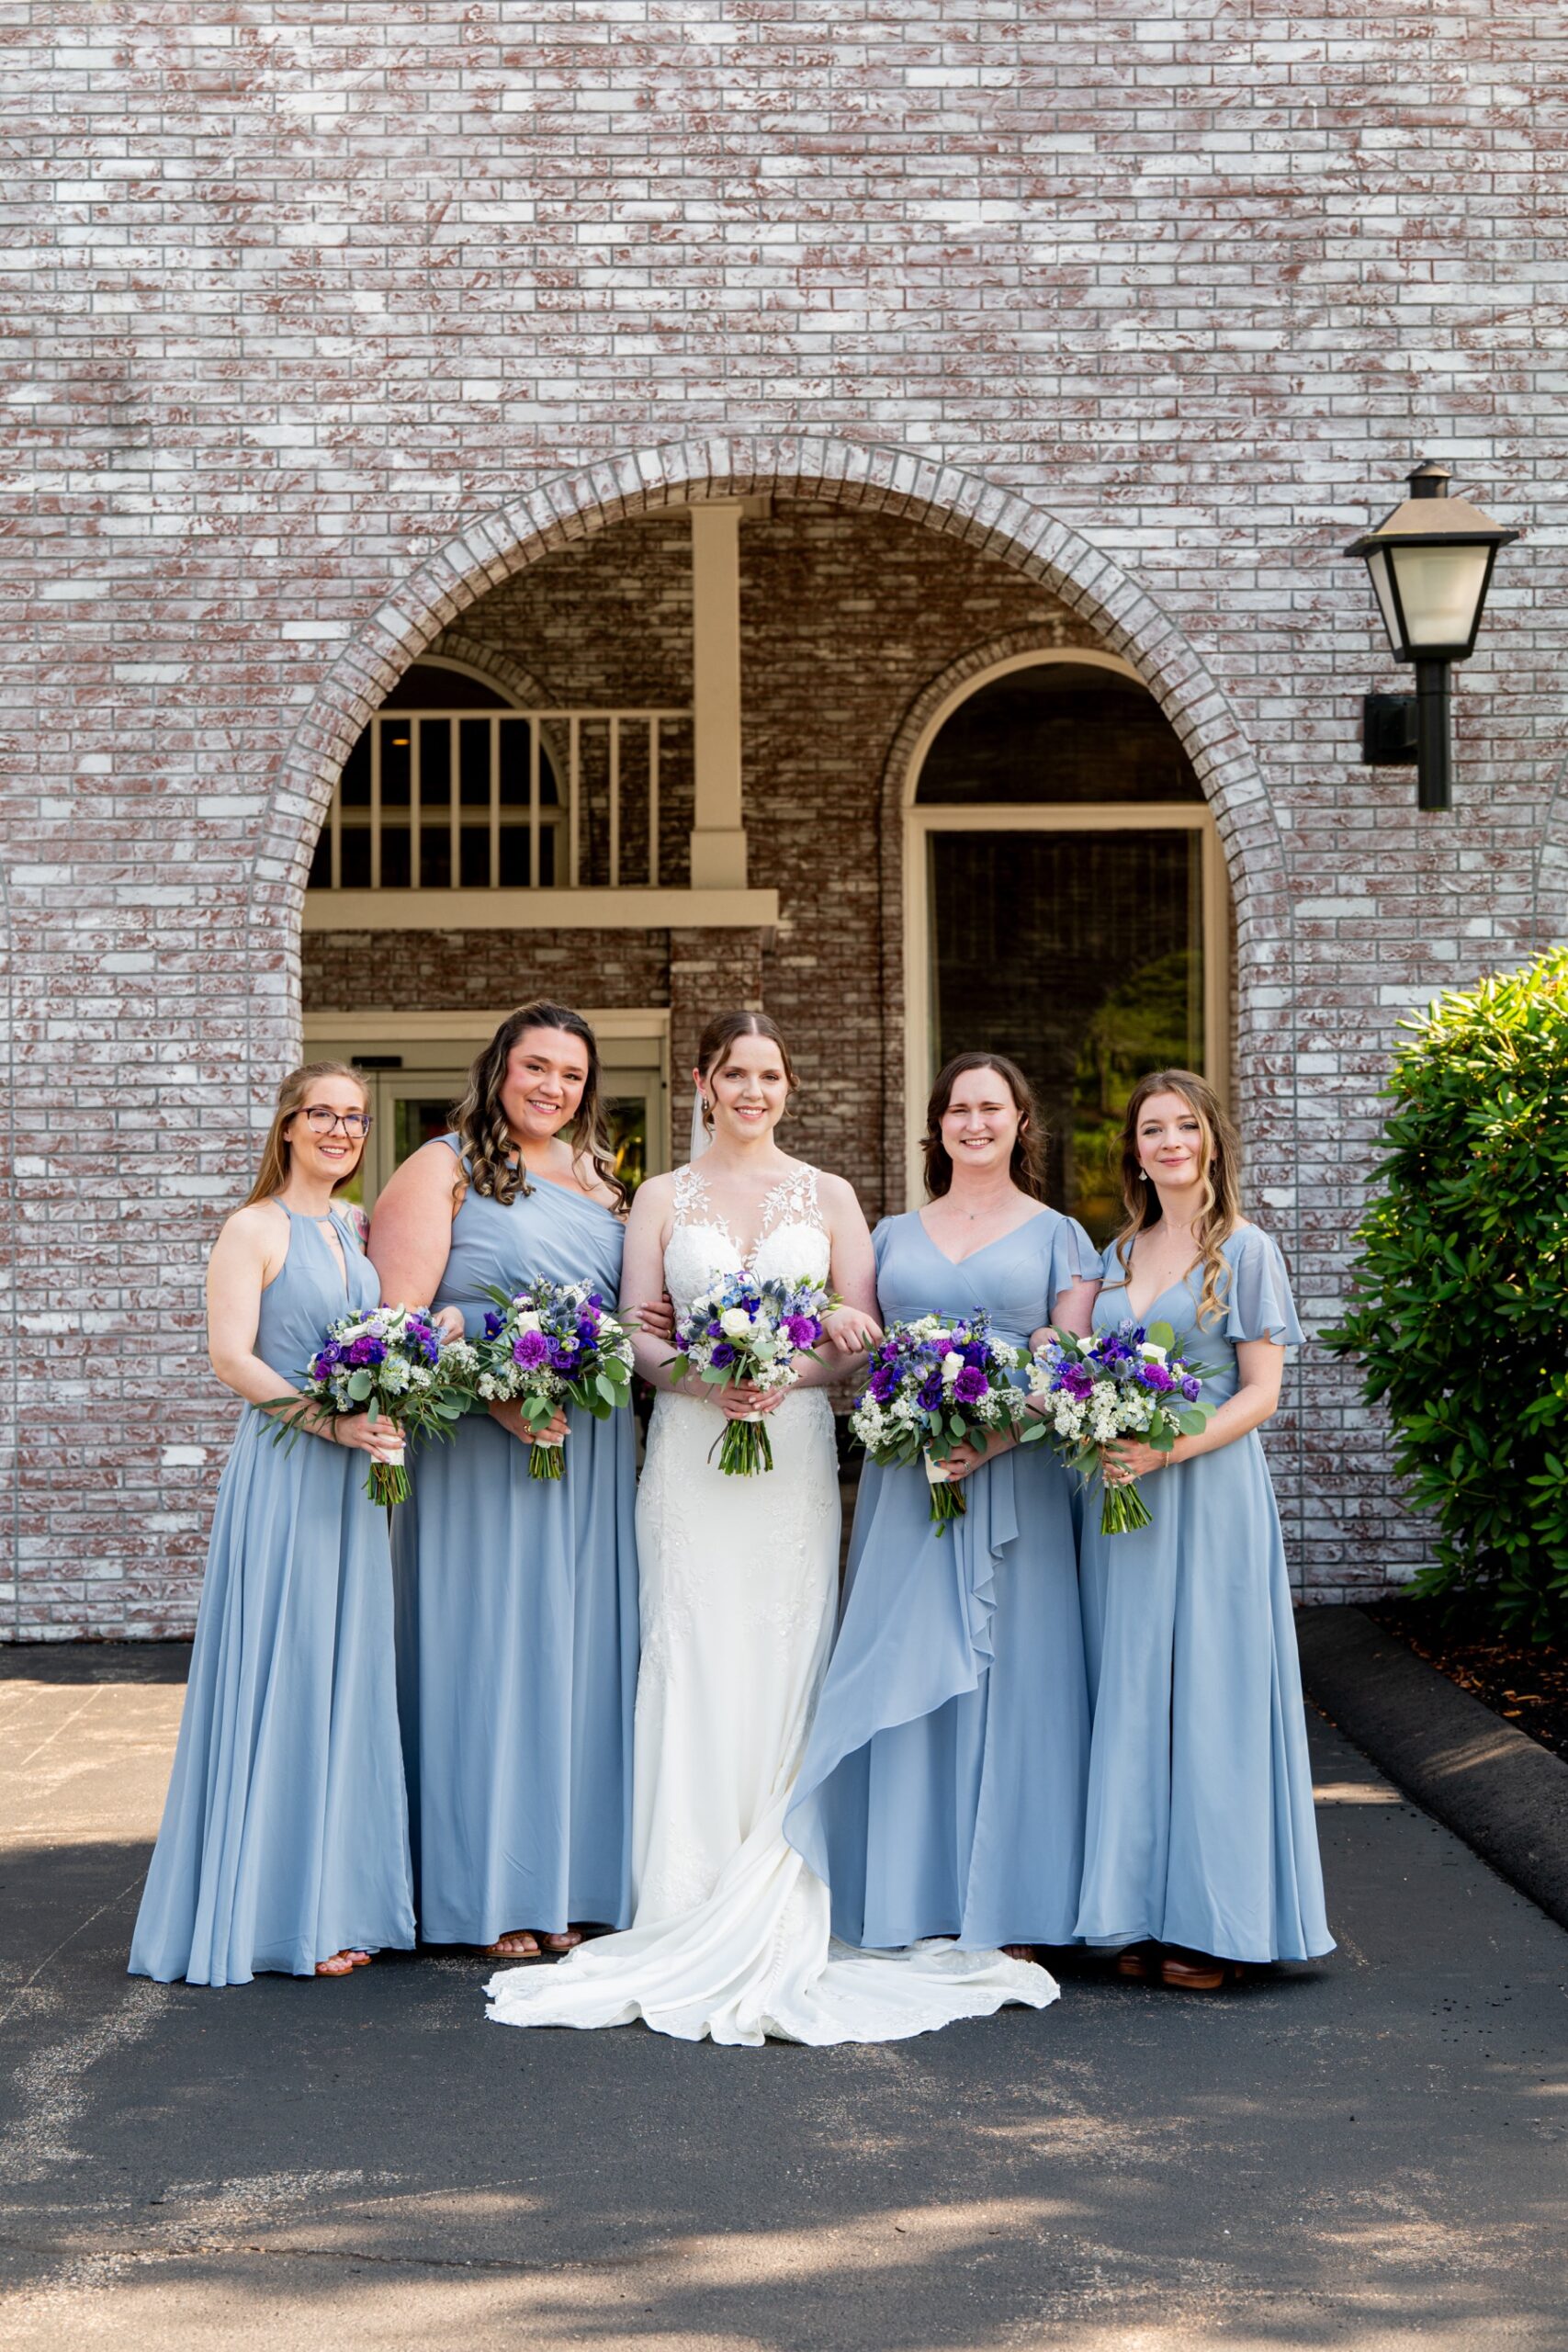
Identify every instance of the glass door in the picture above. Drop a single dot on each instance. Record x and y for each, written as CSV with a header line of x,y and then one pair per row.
x,y
1081,955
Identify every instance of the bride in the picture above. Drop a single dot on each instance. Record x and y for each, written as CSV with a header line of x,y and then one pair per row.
x,y
730,1936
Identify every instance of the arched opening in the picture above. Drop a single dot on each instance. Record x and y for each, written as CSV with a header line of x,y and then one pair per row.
x,y
770,872
1065,902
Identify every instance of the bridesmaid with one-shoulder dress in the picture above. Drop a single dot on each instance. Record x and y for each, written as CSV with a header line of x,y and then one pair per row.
x,y
1201,1843
942,1788
516,1596
284,1843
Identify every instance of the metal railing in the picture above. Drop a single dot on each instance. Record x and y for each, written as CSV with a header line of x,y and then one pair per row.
x,y
477,799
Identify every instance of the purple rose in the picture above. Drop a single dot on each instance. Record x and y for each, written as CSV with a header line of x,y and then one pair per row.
x,y
529,1348
724,1353
715,1330
970,1384
884,1382
587,1330
974,1353
1191,1388
563,1355
930,1396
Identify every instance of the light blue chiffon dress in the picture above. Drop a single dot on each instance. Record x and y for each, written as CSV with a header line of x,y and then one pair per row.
x,y
517,1622
285,1835
942,1788
1201,1829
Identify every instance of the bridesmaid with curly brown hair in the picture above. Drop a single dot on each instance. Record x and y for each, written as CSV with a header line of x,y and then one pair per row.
x,y
516,1596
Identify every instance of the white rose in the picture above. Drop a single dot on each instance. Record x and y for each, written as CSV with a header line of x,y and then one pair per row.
x,y
735,1323
529,1321
952,1364
1152,1354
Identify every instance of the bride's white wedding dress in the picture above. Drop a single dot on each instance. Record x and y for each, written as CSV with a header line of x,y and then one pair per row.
x,y
739,1597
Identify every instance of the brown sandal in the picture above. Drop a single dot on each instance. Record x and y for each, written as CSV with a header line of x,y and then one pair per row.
x,y
339,1964
517,1944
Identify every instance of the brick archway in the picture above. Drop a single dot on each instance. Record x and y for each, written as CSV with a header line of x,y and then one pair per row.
x,y
1124,620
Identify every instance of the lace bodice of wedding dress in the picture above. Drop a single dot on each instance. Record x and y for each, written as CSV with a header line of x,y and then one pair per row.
x,y
739,1597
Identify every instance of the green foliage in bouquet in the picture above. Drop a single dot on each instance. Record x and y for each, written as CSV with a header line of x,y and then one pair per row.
x,y
1459,1309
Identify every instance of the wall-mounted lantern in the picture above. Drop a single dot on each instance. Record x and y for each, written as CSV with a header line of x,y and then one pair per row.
x,y
1430,563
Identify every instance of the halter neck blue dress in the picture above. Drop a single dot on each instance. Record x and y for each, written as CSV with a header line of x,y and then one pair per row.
x,y
942,1788
517,1622
284,1835
1201,1829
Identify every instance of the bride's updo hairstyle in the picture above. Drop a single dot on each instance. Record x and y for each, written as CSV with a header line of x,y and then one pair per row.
x,y
1221,1210
495,1167
721,1034
1027,1166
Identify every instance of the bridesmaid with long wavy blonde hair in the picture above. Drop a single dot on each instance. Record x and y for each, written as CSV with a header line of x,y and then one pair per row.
x,y
1200,1849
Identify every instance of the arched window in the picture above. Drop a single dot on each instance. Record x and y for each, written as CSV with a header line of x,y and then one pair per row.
x,y
1065,902
436,795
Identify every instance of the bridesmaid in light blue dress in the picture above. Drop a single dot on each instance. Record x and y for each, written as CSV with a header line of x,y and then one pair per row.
x,y
285,1837
1202,1844
942,1788
516,1596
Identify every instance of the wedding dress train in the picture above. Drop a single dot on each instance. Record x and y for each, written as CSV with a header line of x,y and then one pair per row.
x,y
731,1936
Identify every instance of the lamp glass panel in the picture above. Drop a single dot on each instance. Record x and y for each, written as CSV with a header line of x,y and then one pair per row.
x,y
1376,564
1441,589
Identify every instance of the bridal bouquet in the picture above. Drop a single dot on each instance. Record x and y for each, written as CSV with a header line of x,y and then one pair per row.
x,y
933,1383
742,1330
1126,1382
553,1344
389,1364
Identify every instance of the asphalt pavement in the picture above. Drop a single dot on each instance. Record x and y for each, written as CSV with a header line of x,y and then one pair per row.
x,y
1369,2153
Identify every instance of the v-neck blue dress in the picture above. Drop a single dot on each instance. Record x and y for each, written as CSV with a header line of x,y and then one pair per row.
x,y
942,1788
285,1835
517,1622
1201,1829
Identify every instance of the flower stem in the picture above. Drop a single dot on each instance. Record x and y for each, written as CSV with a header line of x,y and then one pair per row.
x,y
547,1460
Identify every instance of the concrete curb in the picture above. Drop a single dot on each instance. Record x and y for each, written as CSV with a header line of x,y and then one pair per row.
x,y
1500,1791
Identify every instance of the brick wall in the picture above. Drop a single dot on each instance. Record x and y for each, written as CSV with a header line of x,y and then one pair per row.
x,y
346,311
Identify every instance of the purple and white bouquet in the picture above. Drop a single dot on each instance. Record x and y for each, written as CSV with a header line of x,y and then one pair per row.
x,y
741,1330
933,1383
553,1344
390,1364
1126,1382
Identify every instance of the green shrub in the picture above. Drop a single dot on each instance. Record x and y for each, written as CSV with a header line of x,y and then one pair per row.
x,y
1459,1310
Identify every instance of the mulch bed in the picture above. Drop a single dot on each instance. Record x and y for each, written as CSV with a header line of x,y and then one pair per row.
x,y
1525,1682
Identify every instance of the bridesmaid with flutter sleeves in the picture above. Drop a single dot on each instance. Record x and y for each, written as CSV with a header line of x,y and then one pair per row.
x,y
516,1596
1201,1850
941,1793
284,1844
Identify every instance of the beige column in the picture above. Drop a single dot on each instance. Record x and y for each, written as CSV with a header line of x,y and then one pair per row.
x,y
719,834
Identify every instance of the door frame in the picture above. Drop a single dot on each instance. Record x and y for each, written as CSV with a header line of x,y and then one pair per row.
x,y
922,823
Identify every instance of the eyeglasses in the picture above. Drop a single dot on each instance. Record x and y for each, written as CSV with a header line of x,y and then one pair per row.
x,y
321,1121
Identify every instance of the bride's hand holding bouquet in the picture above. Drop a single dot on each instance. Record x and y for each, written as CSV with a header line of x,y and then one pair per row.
x,y
745,1343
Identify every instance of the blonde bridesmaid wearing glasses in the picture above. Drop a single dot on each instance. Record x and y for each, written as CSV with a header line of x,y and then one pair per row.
x,y
285,1837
